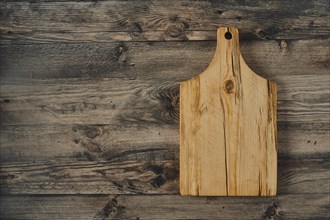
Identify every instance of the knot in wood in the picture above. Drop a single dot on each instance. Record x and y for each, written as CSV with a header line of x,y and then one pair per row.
x,y
229,86
174,32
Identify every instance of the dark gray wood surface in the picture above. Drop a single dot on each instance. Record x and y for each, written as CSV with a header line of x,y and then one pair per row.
x,y
89,105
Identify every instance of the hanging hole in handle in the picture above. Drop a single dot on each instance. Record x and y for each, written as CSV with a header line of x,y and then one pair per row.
x,y
228,35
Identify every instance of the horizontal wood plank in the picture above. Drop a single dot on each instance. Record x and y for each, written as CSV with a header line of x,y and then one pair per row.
x,y
161,60
122,142
161,20
94,142
303,140
113,101
164,207
139,177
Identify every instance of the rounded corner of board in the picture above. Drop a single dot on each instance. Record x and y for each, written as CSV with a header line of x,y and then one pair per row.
x,y
183,193
271,194
183,83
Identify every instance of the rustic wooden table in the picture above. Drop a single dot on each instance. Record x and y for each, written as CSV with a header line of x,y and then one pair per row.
x,y
90,100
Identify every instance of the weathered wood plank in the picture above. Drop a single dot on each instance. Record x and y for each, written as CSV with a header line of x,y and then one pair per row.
x,y
163,60
174,20
122,142
175,35
138,177
307,140
118,142
61,177
165,207
113,101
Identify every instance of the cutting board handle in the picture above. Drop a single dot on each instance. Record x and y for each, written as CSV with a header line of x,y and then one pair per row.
x,y
227,60
227,44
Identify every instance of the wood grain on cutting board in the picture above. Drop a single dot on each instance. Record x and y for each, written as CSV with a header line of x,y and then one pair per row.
x,y
228,127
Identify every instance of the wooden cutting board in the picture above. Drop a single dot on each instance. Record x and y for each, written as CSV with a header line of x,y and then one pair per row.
x,y
228,127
